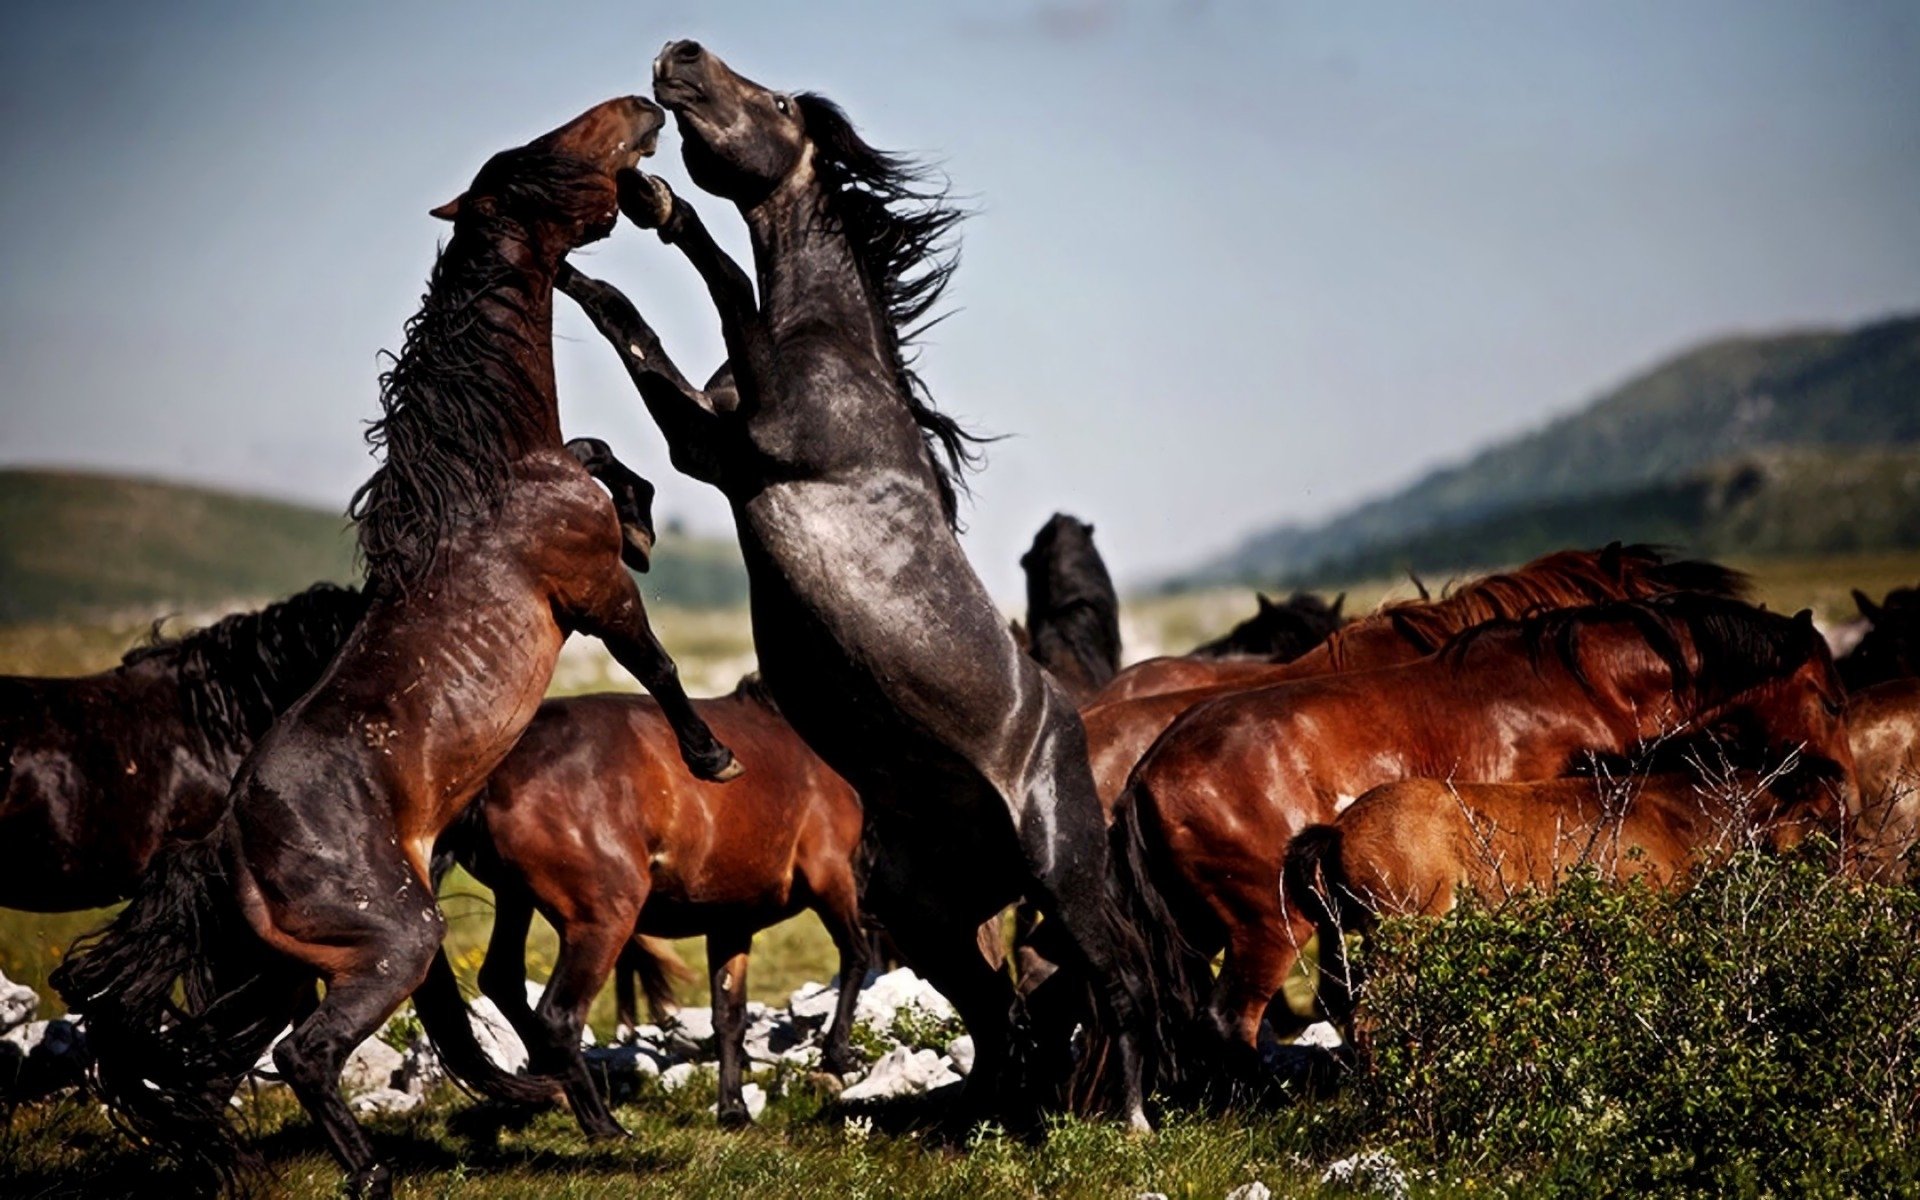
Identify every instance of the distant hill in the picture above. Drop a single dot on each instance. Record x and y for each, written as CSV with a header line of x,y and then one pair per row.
x,y
75,544
1706,415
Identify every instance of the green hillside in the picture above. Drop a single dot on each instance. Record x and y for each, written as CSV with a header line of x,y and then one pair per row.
x,y
75,544
1672,429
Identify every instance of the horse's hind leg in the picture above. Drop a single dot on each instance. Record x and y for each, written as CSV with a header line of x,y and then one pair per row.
x,y
373,960
589,946
727,966
838,905
503,976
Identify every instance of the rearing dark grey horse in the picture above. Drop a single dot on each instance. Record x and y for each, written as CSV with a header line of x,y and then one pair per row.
x,y
874,633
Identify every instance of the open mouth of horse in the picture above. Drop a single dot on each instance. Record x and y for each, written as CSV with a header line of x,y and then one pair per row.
x,y
675,93
644,147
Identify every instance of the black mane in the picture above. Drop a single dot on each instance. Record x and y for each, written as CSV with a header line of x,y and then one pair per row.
x,y
1739,647
240,673
897,227
453,411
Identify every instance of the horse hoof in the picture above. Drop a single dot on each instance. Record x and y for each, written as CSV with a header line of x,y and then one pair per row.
x,y
735,1118
374,1183
730,768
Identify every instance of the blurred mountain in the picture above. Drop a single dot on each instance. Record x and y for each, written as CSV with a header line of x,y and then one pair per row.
x,y
1721,448
75,544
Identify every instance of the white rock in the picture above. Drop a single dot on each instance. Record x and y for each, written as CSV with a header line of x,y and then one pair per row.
x,y
1251,1191
496,1036
903,1072
681,1074
689,1031
811,1004
624,1060
882,999
960,1050
1151,1196
370,1068
385,1100
755,1097
1321,1034
1371,1171
18,1003
420,1068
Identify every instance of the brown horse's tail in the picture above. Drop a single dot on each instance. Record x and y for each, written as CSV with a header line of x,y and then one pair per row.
x,y
1314,882
443,1014
166,1062
659,970
1180,974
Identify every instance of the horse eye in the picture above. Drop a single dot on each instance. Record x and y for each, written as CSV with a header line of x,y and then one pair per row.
x,y
780,102
1834,707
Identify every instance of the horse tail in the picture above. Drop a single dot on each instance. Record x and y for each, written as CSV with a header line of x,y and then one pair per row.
x,y
659,970
167,1067
1314,881
443,1014
1178,976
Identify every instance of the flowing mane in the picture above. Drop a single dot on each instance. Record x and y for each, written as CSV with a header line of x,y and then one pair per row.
x,y
454,411
243,671
1735,647
1565,579
897,226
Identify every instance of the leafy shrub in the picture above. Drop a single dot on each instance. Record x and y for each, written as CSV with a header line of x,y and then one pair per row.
x,y
1758,1033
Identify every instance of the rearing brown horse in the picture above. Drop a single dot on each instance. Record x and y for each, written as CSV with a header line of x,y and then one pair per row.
x,y
486,542
875,635
1213,805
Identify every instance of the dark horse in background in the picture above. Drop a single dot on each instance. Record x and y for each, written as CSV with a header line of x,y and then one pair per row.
x,y
1890,649
102,771
1279,630
1073,612
875,635
486,543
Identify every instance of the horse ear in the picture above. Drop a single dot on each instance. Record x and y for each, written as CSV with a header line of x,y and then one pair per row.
x,y
1804,618
1865,604
448,211
1266,605
1610,558
1339,602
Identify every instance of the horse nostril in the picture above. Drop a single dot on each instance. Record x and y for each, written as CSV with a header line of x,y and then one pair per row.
x,y
687,51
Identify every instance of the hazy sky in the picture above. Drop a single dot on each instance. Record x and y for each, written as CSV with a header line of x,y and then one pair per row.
x,y
1231,263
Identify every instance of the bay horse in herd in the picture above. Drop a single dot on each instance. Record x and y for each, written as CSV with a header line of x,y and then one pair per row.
x,y
102,771
1413,847
1212,807
592,822
1126,717
485,543
875,636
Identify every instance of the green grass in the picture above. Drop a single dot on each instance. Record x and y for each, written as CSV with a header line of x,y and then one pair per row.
x,y
67,1150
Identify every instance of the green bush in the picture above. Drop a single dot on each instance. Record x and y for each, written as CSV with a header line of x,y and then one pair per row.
x,y
1756,1034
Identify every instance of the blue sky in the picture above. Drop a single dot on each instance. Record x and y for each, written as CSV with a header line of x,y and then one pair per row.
x,y
1231,262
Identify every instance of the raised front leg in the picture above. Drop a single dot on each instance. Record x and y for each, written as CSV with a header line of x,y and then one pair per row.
x,y
687,417
618,617
651,204
632,499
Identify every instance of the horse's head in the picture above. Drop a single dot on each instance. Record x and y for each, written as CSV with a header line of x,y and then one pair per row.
x,y
1280,630
1790,722
1890,649
560,189
740,140
1062,564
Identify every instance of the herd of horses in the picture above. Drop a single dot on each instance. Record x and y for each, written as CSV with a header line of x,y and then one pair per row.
x,y
278,795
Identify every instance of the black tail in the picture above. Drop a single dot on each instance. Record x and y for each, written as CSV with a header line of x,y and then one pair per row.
x,y
165,1067
443,1014
1176,974
1314,882
659,971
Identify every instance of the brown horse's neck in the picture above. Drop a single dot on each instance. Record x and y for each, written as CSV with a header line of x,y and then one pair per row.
x,y
519,308
806,269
